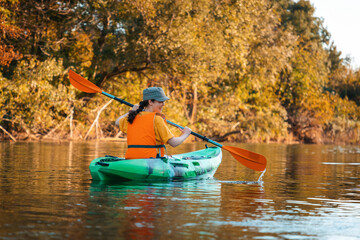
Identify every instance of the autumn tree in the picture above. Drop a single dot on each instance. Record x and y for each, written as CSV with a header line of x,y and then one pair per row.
x,y
253,70
8,32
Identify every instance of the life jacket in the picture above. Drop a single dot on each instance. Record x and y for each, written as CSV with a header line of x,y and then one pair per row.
x,y
141,138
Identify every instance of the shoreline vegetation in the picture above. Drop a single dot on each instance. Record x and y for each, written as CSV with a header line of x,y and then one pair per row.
x,y
262,71
112,133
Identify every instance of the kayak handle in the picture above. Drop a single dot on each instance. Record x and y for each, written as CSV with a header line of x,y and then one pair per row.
x,y
102,164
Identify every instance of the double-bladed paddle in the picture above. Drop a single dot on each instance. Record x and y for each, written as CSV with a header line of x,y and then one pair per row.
x,y
249,159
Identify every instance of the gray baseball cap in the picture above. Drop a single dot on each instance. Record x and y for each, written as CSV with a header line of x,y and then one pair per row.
x,y
155,93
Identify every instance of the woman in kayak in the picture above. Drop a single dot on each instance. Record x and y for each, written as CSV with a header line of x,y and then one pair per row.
x,y
146,127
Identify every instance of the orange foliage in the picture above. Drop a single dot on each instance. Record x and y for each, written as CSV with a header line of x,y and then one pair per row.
x,y
7,52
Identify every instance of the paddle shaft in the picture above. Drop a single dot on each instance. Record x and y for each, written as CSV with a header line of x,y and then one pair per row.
x,y
169,122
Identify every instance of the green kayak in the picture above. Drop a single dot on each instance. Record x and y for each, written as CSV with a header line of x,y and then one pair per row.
x,y
200,164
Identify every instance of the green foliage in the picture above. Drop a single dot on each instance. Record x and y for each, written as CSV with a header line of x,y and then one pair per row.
x,y
344,126
30,101
81,52
298,16
345,82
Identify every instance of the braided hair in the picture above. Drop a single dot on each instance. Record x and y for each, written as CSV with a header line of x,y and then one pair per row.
x,y
132,113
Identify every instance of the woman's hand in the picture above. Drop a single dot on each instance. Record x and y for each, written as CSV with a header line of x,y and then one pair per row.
x,y
176,141
186,131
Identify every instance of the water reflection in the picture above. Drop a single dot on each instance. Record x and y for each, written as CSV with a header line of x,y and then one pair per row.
x,y
307,192
145,209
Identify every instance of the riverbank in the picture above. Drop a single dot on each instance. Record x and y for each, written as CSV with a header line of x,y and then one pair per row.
x,y
326,138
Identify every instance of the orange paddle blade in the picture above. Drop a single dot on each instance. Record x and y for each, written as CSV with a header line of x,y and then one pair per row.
x,y
83,84
249,159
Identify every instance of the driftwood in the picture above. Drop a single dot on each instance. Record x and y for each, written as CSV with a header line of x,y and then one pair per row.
x,y
8,133
96,123
224,137
118,134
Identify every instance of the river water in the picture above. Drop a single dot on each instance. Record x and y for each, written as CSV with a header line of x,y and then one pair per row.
x,y
307,192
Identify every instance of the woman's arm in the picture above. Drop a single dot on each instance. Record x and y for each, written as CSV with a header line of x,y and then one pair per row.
x,y
176,141
118,120
136,106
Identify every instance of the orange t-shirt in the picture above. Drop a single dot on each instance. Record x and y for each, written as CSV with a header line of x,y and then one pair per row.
x,y
162,132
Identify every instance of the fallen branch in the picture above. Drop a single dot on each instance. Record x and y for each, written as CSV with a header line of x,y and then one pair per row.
x,y
118,134
223,138
8,133
96,121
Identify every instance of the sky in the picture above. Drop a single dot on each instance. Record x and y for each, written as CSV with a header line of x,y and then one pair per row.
x,y
342,20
